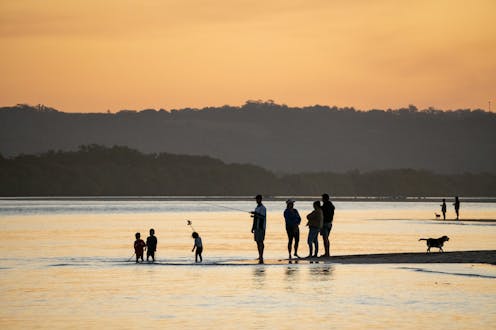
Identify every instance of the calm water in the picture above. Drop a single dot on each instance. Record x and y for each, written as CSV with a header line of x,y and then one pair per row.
x,y
65,266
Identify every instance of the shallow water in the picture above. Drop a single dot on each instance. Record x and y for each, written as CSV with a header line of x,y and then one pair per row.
x,y
65,266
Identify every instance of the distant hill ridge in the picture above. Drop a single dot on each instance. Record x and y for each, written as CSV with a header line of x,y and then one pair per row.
x,y
277,137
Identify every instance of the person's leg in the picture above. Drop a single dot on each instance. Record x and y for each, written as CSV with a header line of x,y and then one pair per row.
x,y
297,241
310,243
290,244
329,239
316,242
290,240
260,246
325,239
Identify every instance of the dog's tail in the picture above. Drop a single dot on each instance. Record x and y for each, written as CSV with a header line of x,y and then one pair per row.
x,y
422,239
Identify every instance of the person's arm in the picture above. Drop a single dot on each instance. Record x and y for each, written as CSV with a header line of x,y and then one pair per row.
x,y
309,218
298,216
194,246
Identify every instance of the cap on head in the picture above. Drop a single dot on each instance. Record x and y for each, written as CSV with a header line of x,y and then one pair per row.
x,y
258,197
290,201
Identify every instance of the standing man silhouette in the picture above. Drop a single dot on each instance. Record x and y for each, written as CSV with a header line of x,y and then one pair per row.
x,y
258,227
293,220
443,209
328,211
456,204
151,245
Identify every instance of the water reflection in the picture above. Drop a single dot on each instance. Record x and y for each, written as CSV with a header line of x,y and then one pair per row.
x,y
259,276
321,273
291,271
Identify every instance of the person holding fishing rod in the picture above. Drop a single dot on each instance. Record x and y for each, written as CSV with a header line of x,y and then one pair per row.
x,y
258,227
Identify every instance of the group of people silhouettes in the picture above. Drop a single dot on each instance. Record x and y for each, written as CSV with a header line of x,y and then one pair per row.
x,y
150,246
319,222
456,204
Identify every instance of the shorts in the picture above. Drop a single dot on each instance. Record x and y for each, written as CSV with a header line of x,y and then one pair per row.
x,y
313,233
293,232
259,235
326,229
150,253
199,250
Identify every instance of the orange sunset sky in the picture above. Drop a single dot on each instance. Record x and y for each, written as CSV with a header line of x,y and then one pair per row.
x,y
95,55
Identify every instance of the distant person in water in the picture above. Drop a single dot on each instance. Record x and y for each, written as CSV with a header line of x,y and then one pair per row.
x,y
139,245
443,209
456,204
315,219
198,246
151,245
328,213
293,220
258,227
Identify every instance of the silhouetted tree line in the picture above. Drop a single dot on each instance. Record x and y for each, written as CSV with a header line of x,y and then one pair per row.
x,y
277,137
96,170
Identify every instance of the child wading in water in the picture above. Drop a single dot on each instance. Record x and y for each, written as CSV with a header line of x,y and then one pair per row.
x,y
139,245
198,246
151,245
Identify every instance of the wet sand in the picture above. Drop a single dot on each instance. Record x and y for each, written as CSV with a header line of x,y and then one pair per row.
x,y
468,220
456,257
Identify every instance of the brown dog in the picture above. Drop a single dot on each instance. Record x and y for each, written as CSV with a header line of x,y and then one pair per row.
x,y
435,242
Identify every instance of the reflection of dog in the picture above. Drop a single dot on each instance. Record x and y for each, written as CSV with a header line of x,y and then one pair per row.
x,y
435,242
437,215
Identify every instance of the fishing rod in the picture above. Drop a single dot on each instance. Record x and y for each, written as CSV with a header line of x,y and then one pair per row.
x,y
226,207
131,257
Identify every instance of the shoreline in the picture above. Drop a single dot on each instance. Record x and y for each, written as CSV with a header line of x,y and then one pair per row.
x,y
468,199
455,257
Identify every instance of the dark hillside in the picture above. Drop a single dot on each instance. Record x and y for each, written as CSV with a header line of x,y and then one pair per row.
x,y
276,137
119,171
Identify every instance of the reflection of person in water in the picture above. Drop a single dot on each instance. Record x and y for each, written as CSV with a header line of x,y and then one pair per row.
x,y
456,204
443,208
293,220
